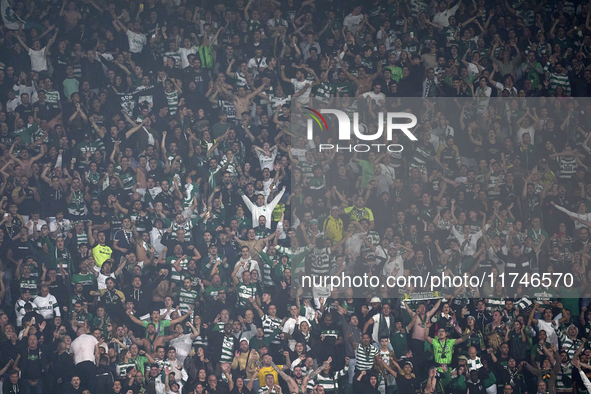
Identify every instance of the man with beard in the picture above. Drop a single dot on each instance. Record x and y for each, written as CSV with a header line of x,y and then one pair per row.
x,y
112,299
298,383
583,240
141,295
513,376
383,324
224,345
260,208
186,247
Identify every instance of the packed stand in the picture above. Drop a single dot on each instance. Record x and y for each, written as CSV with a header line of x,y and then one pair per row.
x,y
158,188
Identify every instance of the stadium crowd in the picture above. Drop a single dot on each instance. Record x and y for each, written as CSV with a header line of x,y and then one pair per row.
x,y
161,199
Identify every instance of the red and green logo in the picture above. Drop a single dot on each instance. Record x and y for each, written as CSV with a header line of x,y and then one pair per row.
x,y
316,115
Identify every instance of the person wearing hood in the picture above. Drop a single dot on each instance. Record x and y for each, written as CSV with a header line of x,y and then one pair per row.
x,y
569,340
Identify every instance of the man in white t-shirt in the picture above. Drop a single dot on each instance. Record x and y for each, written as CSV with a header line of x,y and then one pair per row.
x,y
526,126
37,54
245,263
85,350
257,63
292,323
187,50
443,13
136,39
353,20
547,323
299,83
395,265
35,221
376,95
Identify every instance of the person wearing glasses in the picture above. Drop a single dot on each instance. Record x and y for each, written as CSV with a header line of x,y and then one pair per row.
x,y
442,345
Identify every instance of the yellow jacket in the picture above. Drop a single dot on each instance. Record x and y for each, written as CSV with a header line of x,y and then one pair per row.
x,y
333,228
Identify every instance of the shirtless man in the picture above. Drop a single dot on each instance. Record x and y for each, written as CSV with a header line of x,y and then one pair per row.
x,y
241,100
141,173
152,340
417,325
253,243
363,81
298,381
71,15
26,161
143,248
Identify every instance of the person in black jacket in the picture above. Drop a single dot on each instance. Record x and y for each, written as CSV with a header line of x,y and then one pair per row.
x,y
13,385
104,377
141,294
330,340
188,248
217,339
61,368
32,364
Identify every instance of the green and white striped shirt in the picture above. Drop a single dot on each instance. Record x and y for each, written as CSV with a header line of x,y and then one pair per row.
x,y
330,382
186,299
270,324
228,349
266,390
364,357
374,238
559,80
245,291
565,370
81,238
567,344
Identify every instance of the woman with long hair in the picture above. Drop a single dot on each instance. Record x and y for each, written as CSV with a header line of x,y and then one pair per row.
x,y
458,384
240,387
475,337
302,334
518,342
200,121
124,361
201,339
494,341
445,319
